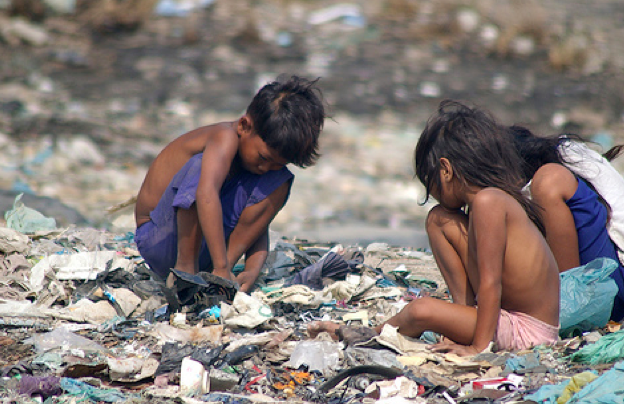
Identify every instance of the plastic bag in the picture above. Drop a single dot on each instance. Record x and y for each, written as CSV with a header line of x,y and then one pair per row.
x,y
317,355
86,392
605,389
587,294
562,392
62,338
27,220
608,349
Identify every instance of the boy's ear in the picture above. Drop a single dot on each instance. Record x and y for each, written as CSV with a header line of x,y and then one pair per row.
x,y
245,125
446,169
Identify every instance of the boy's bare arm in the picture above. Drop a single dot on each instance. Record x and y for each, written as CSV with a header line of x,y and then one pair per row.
x,y
250,236
219,152
489,234
255,257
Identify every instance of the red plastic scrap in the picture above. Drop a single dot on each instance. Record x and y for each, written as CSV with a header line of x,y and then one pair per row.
x,y
257,369
252,382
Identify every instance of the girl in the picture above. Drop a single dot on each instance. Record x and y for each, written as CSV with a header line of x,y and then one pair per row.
x,y
486,239
581,196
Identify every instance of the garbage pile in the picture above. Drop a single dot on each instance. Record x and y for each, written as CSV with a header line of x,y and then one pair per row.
x,y
83,320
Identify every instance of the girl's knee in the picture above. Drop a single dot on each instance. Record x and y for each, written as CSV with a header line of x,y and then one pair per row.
x,y
442,224
438,217
420,309
433,222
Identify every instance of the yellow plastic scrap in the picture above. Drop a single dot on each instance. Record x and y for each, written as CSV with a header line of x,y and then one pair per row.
x,y
613,326
575,385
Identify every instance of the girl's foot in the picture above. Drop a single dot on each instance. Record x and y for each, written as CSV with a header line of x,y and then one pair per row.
x,y
317,327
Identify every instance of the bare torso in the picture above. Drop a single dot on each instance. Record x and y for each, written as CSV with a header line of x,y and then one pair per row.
x,y
170,160
530,276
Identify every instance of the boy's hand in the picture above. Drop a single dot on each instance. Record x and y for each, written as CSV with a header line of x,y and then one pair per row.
x,y
247,279
448,346
223,273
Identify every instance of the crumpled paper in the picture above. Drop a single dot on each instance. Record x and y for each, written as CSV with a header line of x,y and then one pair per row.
x,y
12,241
245,311
84,265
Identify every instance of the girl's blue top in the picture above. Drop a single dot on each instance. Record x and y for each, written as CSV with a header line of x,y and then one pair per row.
x,y
590,219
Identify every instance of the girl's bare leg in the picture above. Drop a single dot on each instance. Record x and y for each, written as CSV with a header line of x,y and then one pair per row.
x,y
448,237
317,327
454,321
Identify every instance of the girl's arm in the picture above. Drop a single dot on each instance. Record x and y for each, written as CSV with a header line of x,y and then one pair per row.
x,y
552,186
488,229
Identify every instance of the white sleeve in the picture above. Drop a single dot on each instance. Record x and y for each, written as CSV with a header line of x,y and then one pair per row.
x,y
589,164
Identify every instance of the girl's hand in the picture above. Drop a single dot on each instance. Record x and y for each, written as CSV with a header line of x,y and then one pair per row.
x,y
448,346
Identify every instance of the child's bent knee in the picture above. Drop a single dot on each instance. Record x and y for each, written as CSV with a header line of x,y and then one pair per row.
x,y
420,309
440,218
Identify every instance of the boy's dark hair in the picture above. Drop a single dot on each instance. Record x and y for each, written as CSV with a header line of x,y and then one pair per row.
x,y
478,148
288,115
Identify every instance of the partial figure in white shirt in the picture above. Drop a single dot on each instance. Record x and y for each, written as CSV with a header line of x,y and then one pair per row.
x,y
582,199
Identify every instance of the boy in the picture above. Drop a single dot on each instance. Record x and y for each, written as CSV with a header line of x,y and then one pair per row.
x,y
210,195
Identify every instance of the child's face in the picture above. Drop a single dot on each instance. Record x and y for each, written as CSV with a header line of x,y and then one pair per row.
x,y
256,156
446,191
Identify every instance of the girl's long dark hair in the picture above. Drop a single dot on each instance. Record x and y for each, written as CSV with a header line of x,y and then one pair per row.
x,y
537,151
478,148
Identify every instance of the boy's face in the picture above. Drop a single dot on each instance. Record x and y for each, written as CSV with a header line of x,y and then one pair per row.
x,y
256,156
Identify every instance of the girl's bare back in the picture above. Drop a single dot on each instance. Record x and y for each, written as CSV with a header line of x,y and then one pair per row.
x,y
530,277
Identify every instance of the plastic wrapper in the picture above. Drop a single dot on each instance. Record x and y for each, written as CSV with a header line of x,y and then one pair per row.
x,y
608,349
317,355
587,294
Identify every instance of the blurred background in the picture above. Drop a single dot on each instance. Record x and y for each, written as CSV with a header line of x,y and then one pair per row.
x,y
92,90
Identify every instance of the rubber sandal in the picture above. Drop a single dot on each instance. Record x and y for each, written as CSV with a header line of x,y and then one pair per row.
x,y
186,286
179,289
218,286
204,283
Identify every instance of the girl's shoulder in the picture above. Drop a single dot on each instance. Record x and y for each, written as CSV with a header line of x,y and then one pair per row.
x,y
552,169
490,197
555,180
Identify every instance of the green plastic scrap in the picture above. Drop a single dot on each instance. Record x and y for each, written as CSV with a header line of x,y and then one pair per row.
x,y
426,282
607,349
83,390
27,220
